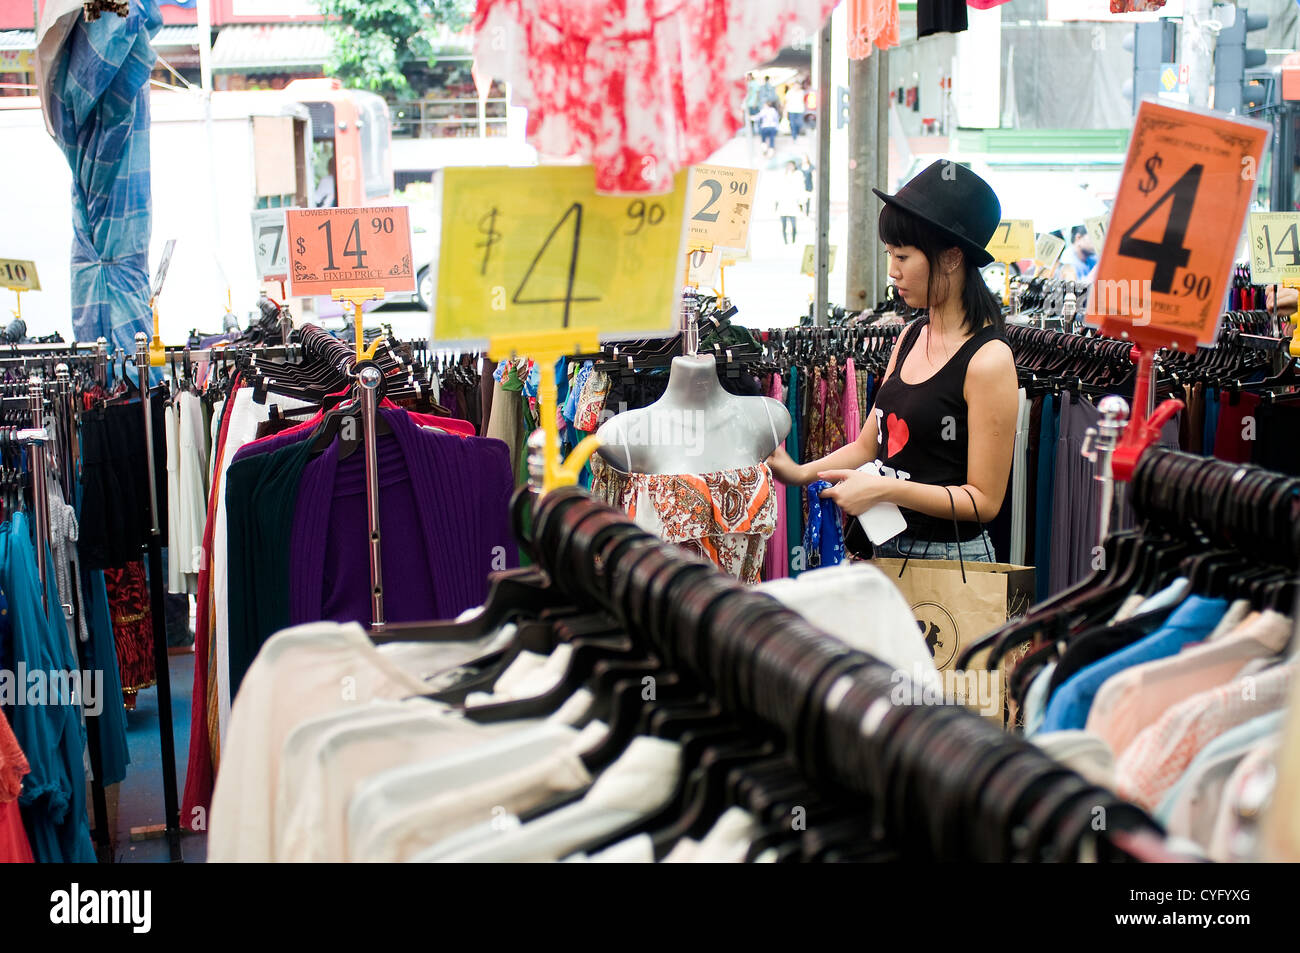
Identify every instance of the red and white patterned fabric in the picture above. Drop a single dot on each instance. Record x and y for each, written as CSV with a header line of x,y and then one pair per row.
x,y
873,24
638,88
1135,6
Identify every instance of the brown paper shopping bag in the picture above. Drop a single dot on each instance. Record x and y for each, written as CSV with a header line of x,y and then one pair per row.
x,y
955,602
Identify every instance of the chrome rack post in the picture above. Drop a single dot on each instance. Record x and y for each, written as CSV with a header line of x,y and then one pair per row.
x,y
370,378
690,329
68,474
41,517
1098,445
161,671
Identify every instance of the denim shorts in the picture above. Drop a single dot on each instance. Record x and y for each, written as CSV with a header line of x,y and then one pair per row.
x,y
972,551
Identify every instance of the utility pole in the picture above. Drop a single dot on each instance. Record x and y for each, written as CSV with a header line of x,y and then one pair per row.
x,y
868,168
822,251
1196,50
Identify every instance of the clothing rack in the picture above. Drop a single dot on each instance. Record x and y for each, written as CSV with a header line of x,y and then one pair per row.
x,y
44,393
939,781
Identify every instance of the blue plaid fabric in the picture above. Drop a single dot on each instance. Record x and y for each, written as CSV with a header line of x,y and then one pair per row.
x,y
99,108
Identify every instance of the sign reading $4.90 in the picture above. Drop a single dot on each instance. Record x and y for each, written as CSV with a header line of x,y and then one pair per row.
x,y
1188,178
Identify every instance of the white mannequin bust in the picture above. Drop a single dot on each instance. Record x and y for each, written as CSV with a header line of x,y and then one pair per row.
x,y
696,427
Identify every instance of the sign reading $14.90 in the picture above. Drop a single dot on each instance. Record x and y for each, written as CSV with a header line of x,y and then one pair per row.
x,y
1275,248
334,248
1187,181
537,249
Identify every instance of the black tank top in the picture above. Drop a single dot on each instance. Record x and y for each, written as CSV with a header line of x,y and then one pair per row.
x,y
924,430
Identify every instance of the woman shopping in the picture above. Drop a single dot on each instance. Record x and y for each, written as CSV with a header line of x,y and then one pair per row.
x,y
942,431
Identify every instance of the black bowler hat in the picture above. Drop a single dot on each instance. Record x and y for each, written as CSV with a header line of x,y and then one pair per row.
x,y
956,201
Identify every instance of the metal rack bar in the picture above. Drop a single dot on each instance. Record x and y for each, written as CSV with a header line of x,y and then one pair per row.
x,y
36,442
162,672
370,379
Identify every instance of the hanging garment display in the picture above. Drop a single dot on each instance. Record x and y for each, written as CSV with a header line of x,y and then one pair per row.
x,y
940,16
639,89
14,847
1170,672
548,763
286,514
872,23
48,729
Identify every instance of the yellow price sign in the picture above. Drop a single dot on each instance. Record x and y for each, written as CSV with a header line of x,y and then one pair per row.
x,y
1013,240
1096,226
1047,249
809,264
19,275
704,267
1275,248
528,250
722,199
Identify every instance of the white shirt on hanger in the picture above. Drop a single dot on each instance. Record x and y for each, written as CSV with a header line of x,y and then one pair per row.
x,y
398,813
322,768
640,782
299,673
859,605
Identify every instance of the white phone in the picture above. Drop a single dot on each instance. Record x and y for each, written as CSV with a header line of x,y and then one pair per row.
x,y
883,521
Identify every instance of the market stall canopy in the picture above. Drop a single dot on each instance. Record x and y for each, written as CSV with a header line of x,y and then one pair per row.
x,y
93,81
271,48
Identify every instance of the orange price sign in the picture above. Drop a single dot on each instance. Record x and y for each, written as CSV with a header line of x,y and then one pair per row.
x,y
1187,182
335,248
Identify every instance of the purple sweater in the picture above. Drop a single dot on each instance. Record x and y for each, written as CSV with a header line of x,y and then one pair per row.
x,y
444,516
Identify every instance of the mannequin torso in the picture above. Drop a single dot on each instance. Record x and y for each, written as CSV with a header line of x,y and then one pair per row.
x,y
696,427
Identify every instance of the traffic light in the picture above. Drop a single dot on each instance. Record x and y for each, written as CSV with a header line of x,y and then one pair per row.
x,y
1233,92
1154,45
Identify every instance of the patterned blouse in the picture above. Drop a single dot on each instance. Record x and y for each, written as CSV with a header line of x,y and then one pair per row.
x,y
725,517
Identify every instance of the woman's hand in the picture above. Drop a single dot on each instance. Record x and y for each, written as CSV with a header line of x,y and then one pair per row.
x,y
1283,301
785,469
855,492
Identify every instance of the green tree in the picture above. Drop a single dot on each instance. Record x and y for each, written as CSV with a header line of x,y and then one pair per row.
x,y
375,40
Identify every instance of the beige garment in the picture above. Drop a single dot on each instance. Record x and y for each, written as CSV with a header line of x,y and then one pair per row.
x,y
1131,700
506,422
1282,820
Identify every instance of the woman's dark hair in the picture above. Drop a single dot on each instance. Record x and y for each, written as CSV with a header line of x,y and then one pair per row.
x,y
898,228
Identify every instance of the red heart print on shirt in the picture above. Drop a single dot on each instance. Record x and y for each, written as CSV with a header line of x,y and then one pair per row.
x,y
898,434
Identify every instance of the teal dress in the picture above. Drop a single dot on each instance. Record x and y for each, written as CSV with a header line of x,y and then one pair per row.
x,y
53,800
